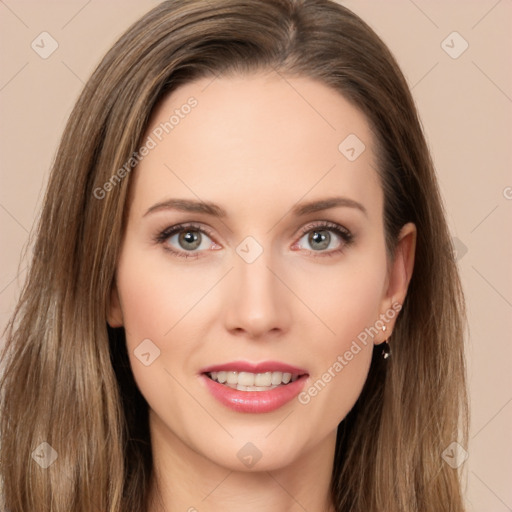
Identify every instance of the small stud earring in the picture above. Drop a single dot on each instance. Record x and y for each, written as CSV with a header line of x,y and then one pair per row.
x,y
386,351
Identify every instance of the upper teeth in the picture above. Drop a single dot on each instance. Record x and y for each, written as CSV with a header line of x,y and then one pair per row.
x,y
253,379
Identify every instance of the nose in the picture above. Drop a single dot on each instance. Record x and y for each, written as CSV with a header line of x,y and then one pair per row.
x,y
258,304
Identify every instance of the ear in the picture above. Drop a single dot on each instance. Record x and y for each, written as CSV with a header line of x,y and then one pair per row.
x,y
114,311
399,275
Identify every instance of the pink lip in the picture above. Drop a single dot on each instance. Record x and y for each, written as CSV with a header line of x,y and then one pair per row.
x,y
245,366
254,401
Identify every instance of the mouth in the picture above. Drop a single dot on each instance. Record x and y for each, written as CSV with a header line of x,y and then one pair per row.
x,y
248,381
254,388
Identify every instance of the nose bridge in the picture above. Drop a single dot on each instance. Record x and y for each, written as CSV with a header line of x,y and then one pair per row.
x,y
257,304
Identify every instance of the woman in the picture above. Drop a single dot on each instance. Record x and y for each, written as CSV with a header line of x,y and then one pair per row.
x,y
243,294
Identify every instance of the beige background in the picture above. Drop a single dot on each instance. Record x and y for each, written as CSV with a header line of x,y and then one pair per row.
x,y
466,107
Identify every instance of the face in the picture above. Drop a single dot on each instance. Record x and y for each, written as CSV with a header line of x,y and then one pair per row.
x,y
255,248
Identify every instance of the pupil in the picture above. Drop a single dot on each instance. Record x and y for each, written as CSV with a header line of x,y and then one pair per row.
x,y
320,238
190,239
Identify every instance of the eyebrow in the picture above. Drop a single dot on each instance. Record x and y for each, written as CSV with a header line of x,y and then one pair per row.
x,y
325,204
188,205
192,206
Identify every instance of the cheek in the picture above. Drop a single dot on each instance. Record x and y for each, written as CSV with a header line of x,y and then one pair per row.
x,y
347,301
156,294
342,357
158,302
345,298
156,299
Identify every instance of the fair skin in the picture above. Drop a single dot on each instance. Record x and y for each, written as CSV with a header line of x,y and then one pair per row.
x,y
257,147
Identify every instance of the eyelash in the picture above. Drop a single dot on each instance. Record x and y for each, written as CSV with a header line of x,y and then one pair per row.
x,y
344,234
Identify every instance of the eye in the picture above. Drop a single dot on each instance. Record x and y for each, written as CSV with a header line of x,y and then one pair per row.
x,y
182,239
190,240
324,238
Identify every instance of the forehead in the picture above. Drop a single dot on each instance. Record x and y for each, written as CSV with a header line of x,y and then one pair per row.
x,y
257,139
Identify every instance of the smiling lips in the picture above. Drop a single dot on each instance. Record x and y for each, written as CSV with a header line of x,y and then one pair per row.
x,y
254,388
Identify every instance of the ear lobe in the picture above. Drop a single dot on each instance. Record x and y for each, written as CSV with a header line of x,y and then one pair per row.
x,y
114,311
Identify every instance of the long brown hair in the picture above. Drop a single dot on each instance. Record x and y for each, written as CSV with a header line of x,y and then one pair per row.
x,y
67,380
